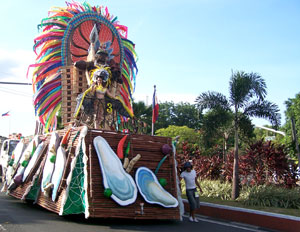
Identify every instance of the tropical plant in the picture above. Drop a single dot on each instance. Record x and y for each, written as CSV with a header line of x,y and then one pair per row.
x,y
266,163
257,195
143,113
187,152
271,196
208,168
247,92
217,129
215,189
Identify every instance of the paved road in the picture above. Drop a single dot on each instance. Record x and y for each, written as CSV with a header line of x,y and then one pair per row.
x,y
19,216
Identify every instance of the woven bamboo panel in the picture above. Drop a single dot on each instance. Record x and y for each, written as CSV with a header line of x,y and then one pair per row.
x,y
150,149
20,190
99,206
41,199
73,83
47,202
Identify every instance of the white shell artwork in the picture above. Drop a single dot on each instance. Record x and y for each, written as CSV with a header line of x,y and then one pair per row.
x,y
26,155
33,160
151,190
49,166
122,185
17,153
58,170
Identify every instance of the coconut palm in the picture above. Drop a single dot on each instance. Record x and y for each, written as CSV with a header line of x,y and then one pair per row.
x,y
247,92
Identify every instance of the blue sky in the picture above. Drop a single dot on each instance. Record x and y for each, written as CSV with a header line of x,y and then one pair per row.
x,y
184,48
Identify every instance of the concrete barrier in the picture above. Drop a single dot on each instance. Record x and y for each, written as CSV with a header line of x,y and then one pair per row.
x,y
263,219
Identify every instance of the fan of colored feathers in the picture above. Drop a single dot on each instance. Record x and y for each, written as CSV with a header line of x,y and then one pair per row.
x,y
64,39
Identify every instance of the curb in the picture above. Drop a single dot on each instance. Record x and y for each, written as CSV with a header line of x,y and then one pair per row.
x,y
258,218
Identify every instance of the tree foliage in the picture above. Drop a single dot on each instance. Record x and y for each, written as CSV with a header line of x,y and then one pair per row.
x,y
247,92
180,114
185,133
293,111
143,113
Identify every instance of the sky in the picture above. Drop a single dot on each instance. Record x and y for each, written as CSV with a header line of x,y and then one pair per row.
x,y
185,48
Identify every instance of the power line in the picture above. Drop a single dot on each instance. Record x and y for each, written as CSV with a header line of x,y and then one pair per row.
x,y
9,74
16,93
12,91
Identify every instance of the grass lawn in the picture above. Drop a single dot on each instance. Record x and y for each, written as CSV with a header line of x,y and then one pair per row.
x,y
291,212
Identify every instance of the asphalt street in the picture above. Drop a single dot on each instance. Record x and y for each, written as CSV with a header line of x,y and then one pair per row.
x,y
19,216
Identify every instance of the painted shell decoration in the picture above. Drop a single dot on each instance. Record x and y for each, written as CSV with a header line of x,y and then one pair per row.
x,y
124,190
33,159
58,170
49,166
151,190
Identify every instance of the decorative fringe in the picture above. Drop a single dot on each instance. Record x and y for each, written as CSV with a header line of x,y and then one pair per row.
x,y
49,61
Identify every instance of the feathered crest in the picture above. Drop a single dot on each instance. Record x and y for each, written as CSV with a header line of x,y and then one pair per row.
x,y
65,39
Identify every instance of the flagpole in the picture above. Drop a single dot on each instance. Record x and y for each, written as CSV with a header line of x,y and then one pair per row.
x,y
9,125
152,130
152,133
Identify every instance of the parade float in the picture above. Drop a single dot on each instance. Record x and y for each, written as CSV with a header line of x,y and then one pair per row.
x,y
99,163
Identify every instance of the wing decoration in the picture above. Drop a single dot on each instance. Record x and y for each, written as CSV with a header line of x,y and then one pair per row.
x,y
65,39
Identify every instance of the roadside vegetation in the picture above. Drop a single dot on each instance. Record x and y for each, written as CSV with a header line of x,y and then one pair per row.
x,y
237,163
263,197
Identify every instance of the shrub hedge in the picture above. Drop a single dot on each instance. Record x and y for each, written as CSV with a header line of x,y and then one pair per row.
x,y
261,195
272,196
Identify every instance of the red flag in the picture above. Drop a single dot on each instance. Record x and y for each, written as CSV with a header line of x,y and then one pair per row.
x,y
6,114
155,107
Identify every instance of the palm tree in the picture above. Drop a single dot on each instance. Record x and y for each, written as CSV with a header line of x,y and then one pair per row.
x,y
247,92
143,113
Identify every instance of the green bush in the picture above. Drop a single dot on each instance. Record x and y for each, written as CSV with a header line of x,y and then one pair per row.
x,y
216,189
271,196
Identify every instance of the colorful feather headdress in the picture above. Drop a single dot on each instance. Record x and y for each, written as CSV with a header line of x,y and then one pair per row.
x,y
64,40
